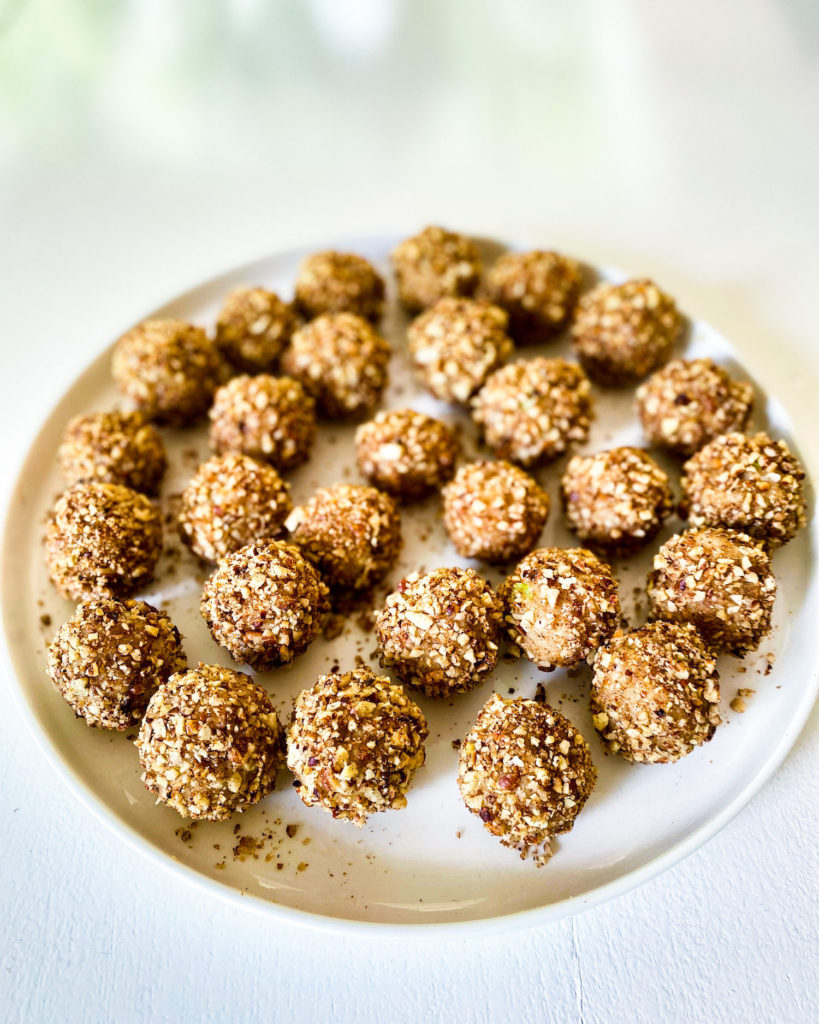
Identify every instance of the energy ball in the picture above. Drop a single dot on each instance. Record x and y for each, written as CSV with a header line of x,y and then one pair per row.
x,y
494,511
264,604
253,328
108,659
719,581
559,605
456,344
655,693
268,418
339,282
168,369
102,540
354,744
690,402
440,632
342,362
526,772
616,499
231,501
352,534
537,289
211,743
406,453
433,265
113,448
749,484
624,331
530,412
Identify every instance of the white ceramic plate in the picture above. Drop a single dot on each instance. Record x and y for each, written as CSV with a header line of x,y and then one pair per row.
x,y
432,863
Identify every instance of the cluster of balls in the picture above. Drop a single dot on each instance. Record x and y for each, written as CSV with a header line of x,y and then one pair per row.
x,y
209,739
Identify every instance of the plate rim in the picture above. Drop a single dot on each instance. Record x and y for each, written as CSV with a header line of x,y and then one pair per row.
x,y
478,927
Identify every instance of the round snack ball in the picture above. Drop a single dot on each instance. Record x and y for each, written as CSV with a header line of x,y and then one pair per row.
x,y
617,499
211,743
559,605
433,265
253,328
624,331
339,282
108,659
354,744
655,693
440,632
268,418
342,362
690,402
406,453
537,289
102,540
231,501
113,448
718,580
494,511
352,534
456,344
750,484
526,772
530,412
264,604
168,369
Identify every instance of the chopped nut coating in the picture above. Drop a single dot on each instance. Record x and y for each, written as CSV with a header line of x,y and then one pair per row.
x,y
616,499
494,511
169,370
268,418
718,580
690,402
433,265
102,540
538,290
655,693
456,344
354,744
351,534
253,328
211,743
230,502
624,331
339,282
440,632
559,605
342,362
406,453
526,772
750,484
113,448
530,412
108,659
264,604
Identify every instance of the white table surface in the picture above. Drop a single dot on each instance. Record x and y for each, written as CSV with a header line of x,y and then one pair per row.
x,y
146,145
